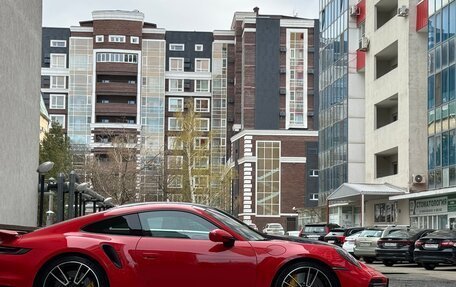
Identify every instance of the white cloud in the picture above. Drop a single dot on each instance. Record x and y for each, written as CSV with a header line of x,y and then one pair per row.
x,y
181,15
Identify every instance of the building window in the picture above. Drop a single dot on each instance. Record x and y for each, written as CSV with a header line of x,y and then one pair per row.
x,y
314,196
201,143
117,58
218,123
202,86
58,119
268,178
218,142
202,105
219,104
313,173
58,60
176,47
198,47
175,181
176,64
175,143
175,161
116,38
134,40
176,85
202,124
201,162
202,65
58,43
174,124
175,104
200,181
57,101
58,82
99,38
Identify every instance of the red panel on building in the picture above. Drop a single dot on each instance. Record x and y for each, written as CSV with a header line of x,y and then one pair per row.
x,y
362,12
422,15
360,60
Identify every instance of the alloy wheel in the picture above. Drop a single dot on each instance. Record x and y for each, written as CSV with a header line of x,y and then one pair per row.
x,y
71,274
306,276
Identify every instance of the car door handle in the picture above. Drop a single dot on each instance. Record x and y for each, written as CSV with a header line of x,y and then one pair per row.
x,y
150,255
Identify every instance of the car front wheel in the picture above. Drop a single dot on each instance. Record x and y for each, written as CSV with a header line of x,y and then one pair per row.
x,y
72,271
429,266
309,274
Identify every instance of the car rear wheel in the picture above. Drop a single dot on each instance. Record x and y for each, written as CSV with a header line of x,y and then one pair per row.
x,y
72,271
388,262
368,260
429,266
307,274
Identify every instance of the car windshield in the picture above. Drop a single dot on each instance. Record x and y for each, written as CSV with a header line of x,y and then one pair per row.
x,y
238,226
442,234
314,229
371,233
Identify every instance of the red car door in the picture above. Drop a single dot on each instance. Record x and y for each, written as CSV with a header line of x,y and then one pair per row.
x,y
178,252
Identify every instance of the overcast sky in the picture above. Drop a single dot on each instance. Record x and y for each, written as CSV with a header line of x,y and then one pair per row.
x,y
178,15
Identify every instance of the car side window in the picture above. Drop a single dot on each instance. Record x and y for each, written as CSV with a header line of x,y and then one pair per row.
x,y
175,224
119,225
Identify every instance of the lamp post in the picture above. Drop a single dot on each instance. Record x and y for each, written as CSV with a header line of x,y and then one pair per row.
x,y
43,168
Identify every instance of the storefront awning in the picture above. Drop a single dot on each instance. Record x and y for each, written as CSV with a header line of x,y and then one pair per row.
x,y
349,191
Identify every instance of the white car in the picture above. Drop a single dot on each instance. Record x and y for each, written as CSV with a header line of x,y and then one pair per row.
x,y
294,233
273,229
349,242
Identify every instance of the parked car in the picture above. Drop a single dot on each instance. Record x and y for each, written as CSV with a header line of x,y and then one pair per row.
x,y
146,244
436,248
317,231
349,243
274,229
294,233
366,243
252,225
398,246
337,235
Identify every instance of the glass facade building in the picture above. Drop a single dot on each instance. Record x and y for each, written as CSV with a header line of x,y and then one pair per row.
x,y
441,94
333,110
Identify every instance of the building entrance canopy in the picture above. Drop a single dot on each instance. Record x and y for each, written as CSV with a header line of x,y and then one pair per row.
x,y
363,191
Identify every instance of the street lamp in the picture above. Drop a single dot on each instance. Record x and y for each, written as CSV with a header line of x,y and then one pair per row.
x,y
43,168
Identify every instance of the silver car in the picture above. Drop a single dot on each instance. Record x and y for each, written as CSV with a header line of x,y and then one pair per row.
x,y
273,229
366,243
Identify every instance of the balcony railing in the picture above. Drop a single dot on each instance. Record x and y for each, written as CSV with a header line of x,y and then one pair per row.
x,y
115,109
116,88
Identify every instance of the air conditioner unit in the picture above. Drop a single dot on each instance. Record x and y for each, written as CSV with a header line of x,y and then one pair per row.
x,y
402,11
354,11
418,179
364,43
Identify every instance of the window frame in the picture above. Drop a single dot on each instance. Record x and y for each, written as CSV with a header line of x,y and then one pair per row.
x,y
198,109
199,61
197,143
53,42
52,82
200,176
99,38
199,47
178,162
52,104
177,59
199,89
52,64
117,39
179,185
134,40
177,128
201,159
63,124
172,140
175,47
203,128
179,88
178,109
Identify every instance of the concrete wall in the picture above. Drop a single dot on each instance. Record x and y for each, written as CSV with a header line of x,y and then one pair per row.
x,y
20,23
408,81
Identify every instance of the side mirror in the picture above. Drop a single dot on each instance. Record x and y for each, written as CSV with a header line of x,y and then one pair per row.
x,y
219,235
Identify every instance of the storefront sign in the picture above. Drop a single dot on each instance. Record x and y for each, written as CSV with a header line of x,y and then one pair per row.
x,y
451,203
429,206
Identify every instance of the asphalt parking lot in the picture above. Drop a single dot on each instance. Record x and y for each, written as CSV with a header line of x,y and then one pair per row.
x,y
411,275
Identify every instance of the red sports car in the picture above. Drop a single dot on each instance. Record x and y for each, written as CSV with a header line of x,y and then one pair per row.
x,y
169,244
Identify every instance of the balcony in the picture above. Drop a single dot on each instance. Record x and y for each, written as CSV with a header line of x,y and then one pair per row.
x,y
115,109
114,126
117,69
114,88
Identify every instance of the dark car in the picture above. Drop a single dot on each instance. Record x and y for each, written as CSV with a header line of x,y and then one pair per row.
x,y
337,235
317,231
436,248
398,246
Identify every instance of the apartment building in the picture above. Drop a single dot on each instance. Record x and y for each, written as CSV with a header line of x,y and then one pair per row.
x,y
274,117
436,207
383,137
55,73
